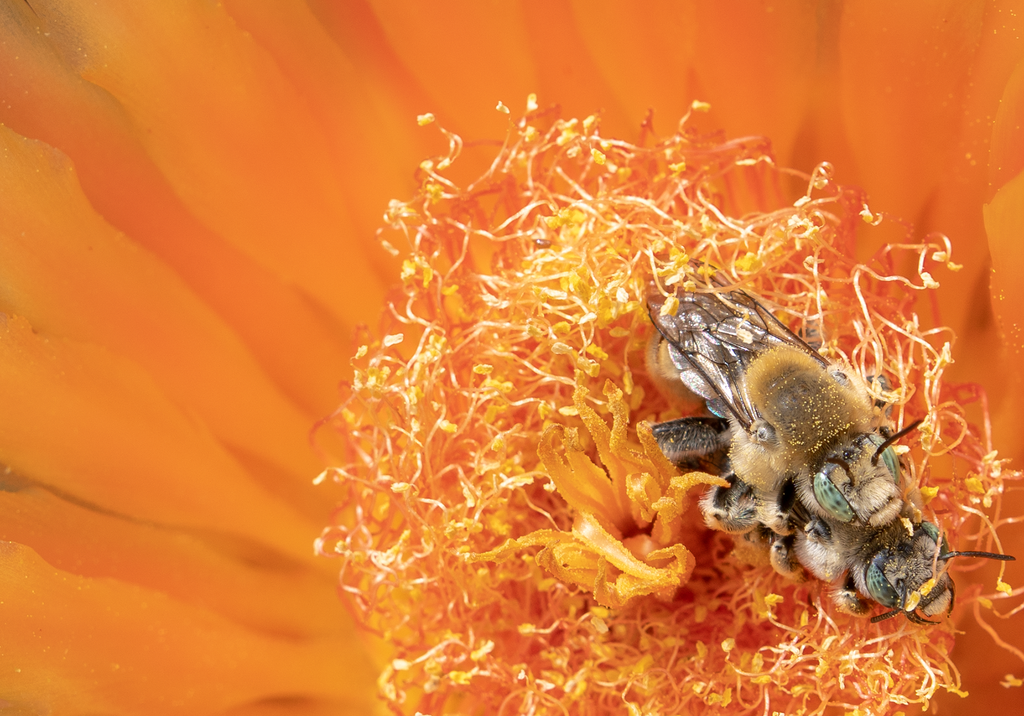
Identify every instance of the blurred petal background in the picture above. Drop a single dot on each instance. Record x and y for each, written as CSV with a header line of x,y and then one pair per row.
x,y
188,199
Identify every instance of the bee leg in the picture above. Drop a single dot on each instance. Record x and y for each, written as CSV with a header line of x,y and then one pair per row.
x,y
847,600
783,558
823,556
776,509
730,509
692,441
818,532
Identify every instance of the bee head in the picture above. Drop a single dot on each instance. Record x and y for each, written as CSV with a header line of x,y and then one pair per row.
x,y
910,575
852,465
860,478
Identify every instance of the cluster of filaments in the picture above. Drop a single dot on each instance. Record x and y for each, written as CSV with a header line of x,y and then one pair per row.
x,y
527,286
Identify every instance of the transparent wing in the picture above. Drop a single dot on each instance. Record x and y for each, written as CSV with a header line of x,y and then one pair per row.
x,y
712,338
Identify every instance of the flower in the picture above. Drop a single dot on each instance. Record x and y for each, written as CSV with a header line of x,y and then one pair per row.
x,y
189,196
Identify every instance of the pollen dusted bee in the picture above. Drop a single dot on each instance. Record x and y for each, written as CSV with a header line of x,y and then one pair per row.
x,y
813,478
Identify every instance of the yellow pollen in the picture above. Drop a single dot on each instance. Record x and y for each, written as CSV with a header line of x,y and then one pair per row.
x,y
670,307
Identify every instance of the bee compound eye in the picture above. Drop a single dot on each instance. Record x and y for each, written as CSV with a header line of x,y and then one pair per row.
x,y
937,537
829,496
888,455
892,463
878,586
840,377
930,530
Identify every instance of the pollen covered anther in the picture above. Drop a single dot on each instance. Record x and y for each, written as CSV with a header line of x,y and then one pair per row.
x,y
598,559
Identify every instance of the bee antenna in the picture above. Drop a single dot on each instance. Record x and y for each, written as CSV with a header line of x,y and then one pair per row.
x,y
893,438
918,619
984,555
841,463
912,616
887,615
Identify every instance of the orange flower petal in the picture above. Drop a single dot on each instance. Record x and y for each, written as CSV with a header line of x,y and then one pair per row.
x,y
279,598
128,190
70,274
74,644
211,165
1004,217
110,431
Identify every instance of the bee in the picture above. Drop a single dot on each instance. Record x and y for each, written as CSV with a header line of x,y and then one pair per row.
x,y
798,427
901,566
813,479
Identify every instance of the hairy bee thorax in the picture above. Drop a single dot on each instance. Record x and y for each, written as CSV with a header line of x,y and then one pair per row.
x,y
810,408
805,410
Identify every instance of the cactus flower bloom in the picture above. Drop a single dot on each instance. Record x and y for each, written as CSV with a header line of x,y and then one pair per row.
x,y
511,527
190,200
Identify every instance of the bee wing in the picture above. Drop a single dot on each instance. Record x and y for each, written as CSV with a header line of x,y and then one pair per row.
x,y
712,337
